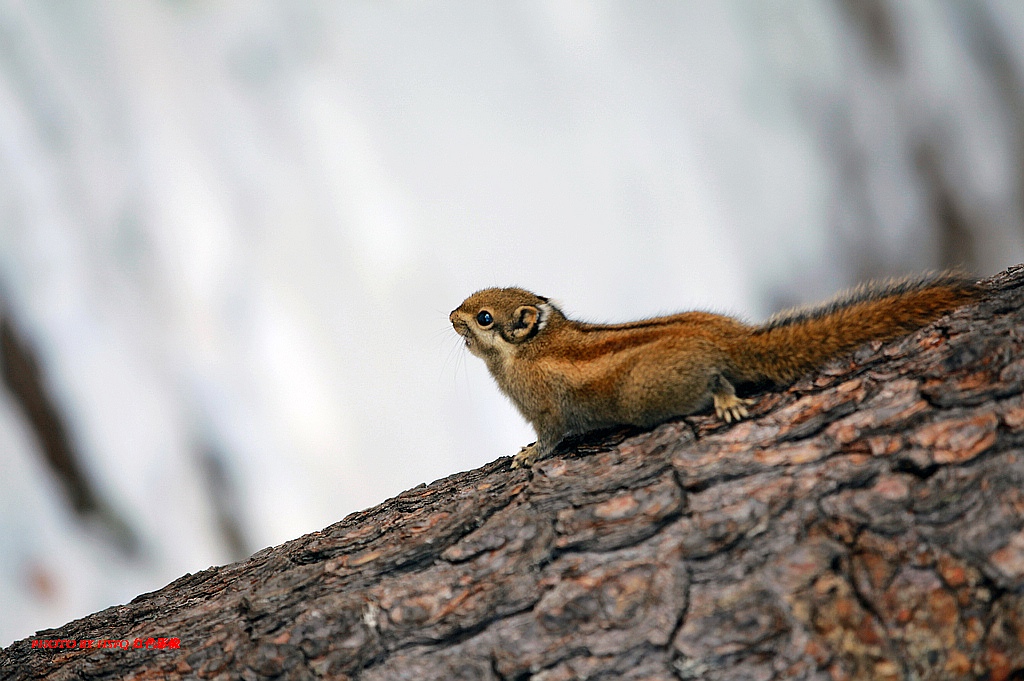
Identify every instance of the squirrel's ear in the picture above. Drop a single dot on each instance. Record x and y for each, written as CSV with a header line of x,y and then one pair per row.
x,y
524,322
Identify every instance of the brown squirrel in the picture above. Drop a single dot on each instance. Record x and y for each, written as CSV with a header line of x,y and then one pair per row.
x,y
567,377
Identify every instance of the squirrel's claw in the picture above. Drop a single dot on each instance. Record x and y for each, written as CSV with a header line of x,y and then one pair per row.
x,y
526,457
731,408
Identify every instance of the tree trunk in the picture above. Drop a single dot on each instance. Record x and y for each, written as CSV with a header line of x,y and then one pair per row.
x,y
866,523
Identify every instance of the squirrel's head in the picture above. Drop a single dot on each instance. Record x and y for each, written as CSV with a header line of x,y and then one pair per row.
x,y
495,320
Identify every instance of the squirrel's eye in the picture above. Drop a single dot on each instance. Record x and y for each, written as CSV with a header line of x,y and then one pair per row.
x,y
484,318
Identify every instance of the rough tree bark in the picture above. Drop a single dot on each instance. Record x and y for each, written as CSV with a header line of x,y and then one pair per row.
x,y
866,523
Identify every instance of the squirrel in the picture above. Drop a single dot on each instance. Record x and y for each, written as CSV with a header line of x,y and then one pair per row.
x,y
568,377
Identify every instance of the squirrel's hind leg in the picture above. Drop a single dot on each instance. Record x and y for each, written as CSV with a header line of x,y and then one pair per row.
x,y
728,407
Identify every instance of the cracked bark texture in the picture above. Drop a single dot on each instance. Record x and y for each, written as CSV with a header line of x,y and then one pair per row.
x,y
866,523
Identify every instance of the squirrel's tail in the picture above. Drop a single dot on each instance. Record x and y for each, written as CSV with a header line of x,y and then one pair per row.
x,y
793,342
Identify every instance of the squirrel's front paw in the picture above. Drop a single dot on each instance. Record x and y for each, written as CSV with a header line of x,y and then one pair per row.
x,y
526,457
730,408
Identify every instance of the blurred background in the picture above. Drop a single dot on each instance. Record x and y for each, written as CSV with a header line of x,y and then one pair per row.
x,y
231,232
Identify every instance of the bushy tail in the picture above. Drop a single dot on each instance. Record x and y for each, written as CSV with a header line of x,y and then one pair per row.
x,y
793,342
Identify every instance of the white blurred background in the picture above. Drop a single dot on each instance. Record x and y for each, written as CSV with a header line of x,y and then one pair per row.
x,y
231,232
